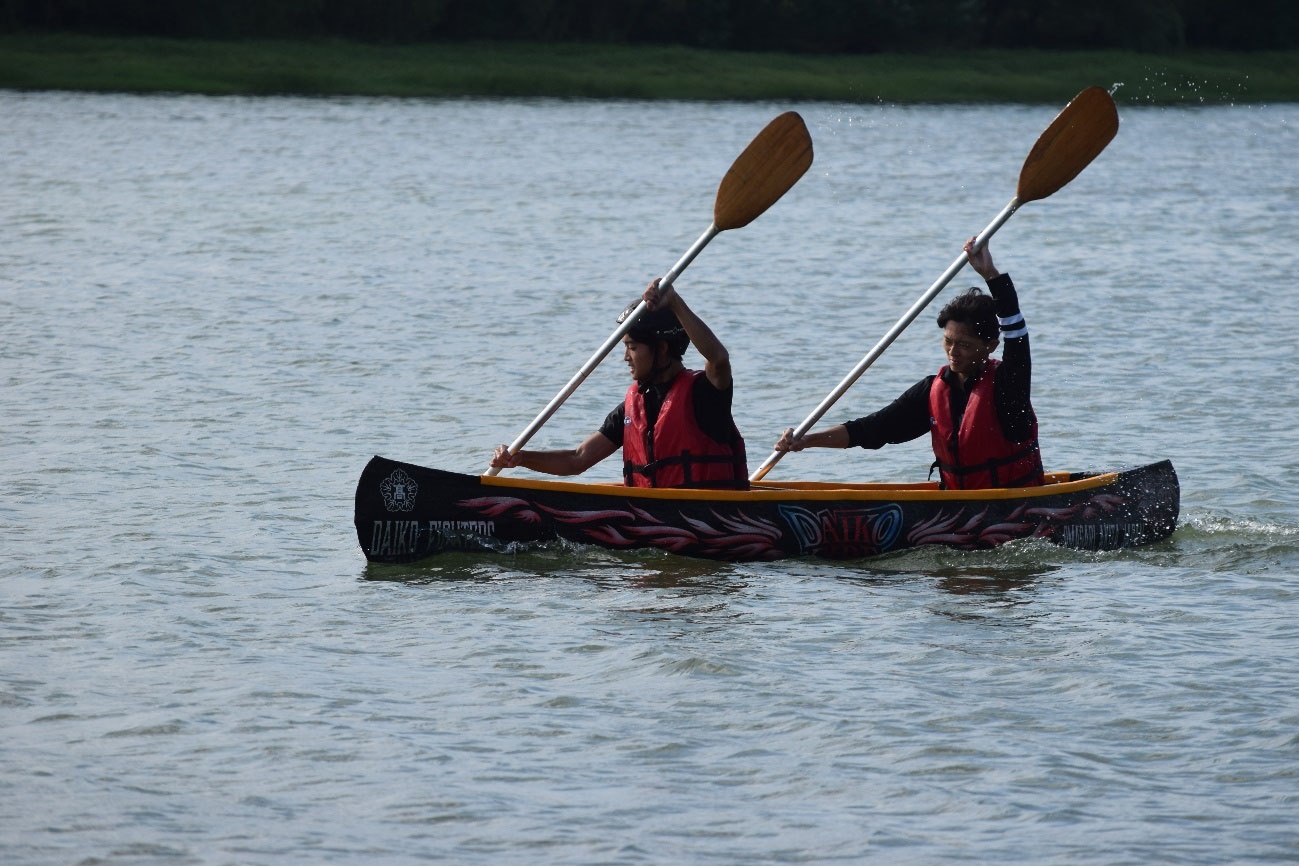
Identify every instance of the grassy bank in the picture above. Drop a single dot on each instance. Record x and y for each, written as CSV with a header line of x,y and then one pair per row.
x,y
67,62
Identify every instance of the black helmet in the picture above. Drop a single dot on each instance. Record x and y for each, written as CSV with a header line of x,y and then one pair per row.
x,y
656,325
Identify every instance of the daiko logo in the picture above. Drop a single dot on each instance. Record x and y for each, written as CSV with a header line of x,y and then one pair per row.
x,y
399,491
844,533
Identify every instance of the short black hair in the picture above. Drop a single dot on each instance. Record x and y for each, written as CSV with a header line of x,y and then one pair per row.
x,y
974,308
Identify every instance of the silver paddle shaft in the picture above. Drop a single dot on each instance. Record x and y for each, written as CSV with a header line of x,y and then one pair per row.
x,y
952,270
601,353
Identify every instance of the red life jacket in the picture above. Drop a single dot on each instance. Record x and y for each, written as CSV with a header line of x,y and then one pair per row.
x,y
677,453
978,455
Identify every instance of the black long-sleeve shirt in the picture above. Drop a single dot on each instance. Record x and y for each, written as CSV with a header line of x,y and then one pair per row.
x,y
907,417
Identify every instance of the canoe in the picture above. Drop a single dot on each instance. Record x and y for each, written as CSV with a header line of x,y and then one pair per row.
x,y
406,512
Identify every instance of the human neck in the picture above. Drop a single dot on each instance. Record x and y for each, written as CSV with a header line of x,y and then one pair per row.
x,y
667,374
965,378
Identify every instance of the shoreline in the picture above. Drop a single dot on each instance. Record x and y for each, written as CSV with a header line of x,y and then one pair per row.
x,y
73,62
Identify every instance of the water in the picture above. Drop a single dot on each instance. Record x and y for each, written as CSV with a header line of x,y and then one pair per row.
x,y
214,311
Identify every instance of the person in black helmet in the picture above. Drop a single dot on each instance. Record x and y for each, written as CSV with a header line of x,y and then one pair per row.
x,y
674,425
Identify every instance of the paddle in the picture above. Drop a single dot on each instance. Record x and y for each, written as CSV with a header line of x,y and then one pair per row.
x,y
1076,137
771,164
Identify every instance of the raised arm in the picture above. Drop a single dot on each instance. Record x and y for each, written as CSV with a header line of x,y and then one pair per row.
x,y
717,361
981,260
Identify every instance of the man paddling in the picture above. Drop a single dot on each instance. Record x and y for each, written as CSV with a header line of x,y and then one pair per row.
x,y
976,409
674,425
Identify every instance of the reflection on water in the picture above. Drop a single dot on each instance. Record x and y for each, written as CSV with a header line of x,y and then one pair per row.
x,y
561,559
976,581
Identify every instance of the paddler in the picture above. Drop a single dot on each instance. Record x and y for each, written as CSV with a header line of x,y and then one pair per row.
x,y
976,409
674,424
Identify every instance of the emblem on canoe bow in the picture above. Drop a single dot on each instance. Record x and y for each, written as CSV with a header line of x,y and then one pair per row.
x,y
399,491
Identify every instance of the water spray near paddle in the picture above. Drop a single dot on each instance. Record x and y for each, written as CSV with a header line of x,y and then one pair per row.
x,y
1076,137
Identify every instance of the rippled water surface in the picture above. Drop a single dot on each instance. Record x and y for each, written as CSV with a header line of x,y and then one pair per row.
x,y
214,311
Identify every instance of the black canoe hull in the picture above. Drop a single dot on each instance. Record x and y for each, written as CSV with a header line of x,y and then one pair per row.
x,y
406,512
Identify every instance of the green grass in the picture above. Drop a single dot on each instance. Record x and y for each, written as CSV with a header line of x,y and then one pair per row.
x,y
70,62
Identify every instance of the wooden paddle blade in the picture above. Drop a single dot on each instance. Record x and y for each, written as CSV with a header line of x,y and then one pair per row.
x,y
771,164
1069,144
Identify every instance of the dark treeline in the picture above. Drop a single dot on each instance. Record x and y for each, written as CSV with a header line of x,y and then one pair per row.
x,y
804,26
